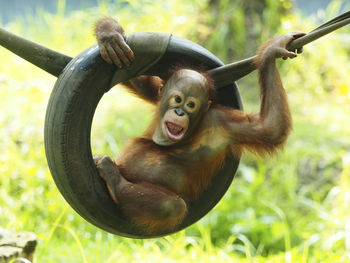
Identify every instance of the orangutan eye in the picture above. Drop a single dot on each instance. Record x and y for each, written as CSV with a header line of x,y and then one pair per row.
x,y
178,99
191,104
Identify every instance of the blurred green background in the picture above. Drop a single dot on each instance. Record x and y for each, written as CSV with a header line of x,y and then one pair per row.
x,y
293,207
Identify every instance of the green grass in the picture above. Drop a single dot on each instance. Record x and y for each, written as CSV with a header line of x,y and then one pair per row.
x,y
293,207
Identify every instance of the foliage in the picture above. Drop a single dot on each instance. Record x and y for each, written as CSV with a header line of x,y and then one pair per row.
x,y
242,23
288,208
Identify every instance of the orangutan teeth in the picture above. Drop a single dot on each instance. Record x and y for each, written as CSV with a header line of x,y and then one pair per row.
x,y
173,128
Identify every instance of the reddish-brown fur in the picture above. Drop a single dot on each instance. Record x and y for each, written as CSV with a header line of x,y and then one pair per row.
x,y
157,182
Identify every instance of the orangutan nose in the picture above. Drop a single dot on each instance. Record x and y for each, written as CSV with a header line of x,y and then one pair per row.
x,y
179,112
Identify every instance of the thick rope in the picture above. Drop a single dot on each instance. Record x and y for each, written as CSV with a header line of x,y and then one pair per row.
x,y
47,59
337,19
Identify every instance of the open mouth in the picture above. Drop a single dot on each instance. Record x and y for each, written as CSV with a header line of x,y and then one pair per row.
x,y
175,132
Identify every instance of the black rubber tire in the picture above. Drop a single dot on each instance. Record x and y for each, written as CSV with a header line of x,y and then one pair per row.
x,y
67,136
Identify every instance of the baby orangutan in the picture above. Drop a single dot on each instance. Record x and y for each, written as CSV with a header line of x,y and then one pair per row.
x,y
159,174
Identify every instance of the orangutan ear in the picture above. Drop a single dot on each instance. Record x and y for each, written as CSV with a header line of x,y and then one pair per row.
x,y
160,91
209,104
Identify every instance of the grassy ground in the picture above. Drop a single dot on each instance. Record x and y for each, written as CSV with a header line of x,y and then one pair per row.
x,y
293,207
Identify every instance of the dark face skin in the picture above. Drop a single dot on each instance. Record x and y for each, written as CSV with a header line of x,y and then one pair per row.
x,y
184,100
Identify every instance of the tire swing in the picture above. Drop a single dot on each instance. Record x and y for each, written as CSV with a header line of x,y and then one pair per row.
x,y
69,116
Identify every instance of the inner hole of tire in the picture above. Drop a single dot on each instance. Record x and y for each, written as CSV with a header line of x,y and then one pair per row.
x,y
119,116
